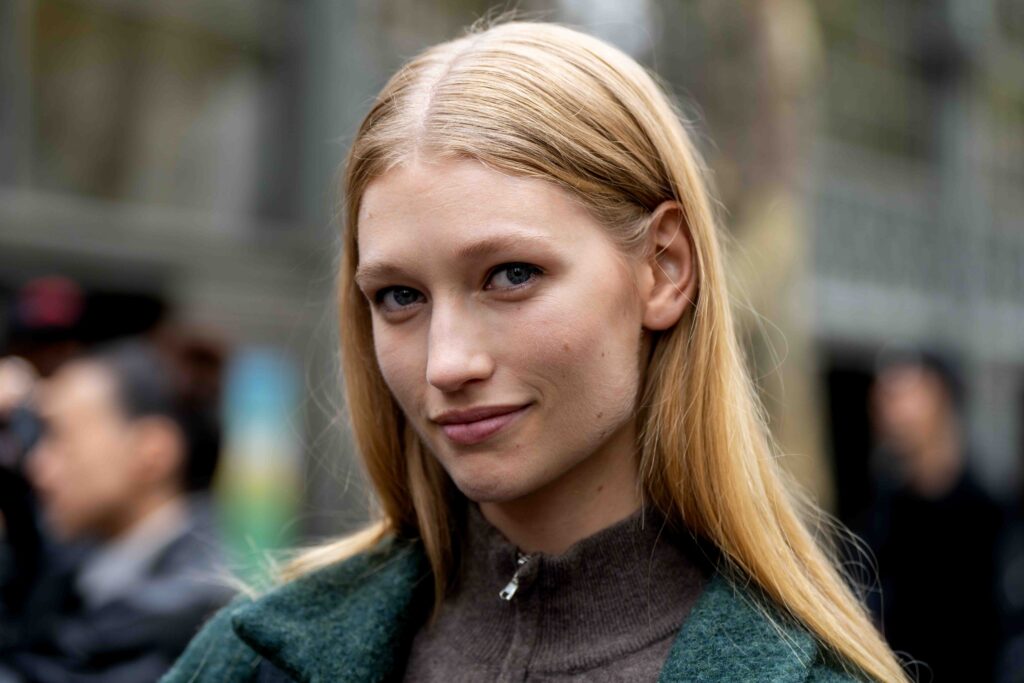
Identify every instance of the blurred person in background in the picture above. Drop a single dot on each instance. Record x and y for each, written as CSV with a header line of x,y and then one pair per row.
x,y
119,469
1011,580
933,528
44,326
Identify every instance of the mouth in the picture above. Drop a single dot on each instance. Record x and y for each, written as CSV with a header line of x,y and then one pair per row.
x,y
467,428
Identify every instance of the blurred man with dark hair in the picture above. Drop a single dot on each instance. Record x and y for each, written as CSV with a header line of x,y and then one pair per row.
x,y
933,528
114,466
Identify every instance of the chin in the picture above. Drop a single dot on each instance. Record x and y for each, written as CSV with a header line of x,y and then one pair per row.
x,y
491,489
488,481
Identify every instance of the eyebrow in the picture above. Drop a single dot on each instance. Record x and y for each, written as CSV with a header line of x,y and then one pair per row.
x,y
471,251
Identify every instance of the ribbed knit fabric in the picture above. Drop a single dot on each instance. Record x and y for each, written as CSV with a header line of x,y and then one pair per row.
x,y
607,609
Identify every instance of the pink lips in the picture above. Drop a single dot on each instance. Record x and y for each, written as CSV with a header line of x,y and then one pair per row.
x,y
474,426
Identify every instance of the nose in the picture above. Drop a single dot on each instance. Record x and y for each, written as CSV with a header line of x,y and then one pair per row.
x,y
456,355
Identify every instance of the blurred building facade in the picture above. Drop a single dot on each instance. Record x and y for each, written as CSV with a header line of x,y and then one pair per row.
x,y
869,157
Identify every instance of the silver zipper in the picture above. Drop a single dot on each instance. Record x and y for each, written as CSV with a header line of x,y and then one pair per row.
x,y
509,591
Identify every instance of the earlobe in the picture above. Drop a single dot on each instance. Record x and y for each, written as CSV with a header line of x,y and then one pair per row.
x,y
672,266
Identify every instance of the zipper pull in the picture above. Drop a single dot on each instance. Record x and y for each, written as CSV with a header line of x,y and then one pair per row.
x,y
509,591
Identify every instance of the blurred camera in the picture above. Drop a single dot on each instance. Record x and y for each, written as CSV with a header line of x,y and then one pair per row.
x,y
20,430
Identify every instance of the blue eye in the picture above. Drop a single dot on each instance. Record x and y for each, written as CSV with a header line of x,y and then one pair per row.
x,y
394,298
510,275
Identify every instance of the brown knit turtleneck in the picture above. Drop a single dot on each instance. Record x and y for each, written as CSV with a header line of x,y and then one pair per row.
x,y
607,609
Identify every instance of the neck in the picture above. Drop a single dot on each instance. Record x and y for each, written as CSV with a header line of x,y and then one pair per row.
x,y
596,493
141,509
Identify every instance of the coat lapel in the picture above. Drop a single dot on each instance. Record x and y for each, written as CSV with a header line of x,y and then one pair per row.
x,y
727,638
348,622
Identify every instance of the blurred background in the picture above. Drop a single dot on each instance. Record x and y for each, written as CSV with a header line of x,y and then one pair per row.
x,y
168,173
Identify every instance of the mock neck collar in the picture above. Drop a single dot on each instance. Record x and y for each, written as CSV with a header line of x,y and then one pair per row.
x,y
610,594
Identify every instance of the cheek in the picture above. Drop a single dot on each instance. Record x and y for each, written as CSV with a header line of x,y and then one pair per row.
x,y
588,356
103,465
402,365
71,483
597,371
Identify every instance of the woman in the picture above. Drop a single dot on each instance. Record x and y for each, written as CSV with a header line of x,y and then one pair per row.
x,y
574,478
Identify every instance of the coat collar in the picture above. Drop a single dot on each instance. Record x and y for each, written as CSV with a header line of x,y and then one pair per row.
x,y
352,621
729,637
355,622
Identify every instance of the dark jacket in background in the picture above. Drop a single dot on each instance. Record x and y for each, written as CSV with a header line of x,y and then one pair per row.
x,y
938,578
56,637
1011,589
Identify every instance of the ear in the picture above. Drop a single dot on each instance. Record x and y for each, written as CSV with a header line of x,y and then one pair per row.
x,y
160,449
670,270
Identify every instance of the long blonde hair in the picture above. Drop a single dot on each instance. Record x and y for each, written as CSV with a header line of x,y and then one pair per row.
x,y
544,101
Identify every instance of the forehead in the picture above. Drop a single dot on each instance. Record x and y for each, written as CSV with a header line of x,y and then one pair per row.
x,y
452,201
80,387
906,377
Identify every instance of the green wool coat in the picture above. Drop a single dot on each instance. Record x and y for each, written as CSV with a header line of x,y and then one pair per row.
x,y
354,622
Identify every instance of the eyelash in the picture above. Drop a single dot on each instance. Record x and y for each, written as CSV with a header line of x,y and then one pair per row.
x,y
534,271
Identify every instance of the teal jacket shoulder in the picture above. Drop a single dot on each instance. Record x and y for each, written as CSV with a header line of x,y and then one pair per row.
x,y
347,622
355,621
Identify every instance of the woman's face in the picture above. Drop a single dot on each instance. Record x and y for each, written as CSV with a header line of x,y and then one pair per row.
x,y
506,325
